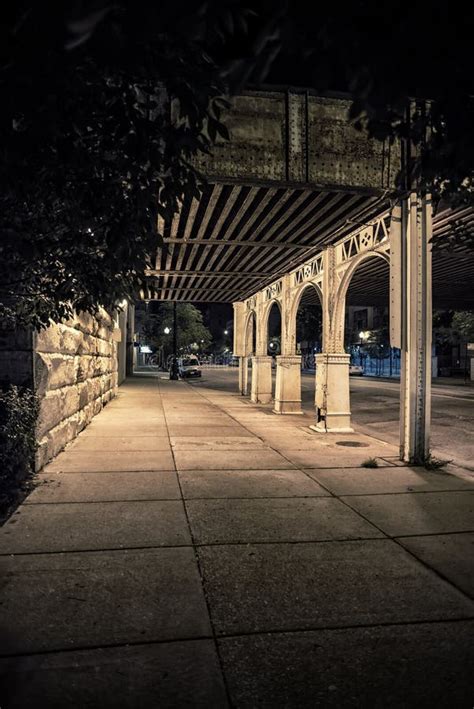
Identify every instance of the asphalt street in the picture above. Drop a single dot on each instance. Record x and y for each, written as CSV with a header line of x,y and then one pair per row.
x,y
375,405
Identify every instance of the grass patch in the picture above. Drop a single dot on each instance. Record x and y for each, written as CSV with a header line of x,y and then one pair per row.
x,y
370,463
432,463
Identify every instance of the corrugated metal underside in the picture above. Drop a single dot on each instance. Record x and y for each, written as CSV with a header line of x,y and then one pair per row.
x,y
238,238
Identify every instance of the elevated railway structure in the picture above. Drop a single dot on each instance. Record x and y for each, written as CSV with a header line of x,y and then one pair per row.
x,y
299,199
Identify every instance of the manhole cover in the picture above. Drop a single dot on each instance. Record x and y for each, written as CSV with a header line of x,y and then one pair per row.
x,y
352,444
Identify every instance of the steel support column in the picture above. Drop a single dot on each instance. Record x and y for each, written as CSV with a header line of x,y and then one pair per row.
x,y
130,347
416,326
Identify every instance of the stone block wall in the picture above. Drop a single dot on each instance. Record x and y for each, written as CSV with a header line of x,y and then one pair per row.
x,y
75,374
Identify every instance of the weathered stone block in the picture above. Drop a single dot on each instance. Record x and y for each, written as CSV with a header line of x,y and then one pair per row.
x,y
71,401
53,371
55,440
104,318
51,412
72,341
88,345
83,391
49,339
85,322
93,389
104,348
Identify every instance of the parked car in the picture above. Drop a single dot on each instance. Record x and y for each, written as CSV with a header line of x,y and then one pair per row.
x,y
356,370
234,362
189,367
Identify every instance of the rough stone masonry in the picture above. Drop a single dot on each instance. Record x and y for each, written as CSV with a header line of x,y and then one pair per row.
x,y
73,369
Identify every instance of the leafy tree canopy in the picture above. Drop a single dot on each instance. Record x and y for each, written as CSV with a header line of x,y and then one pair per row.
x,y
102,107
191,329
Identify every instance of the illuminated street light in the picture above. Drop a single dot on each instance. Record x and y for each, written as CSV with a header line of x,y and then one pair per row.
x,y
226,332
167,331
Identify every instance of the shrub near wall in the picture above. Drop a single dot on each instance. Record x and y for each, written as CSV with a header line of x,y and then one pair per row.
x,y
18,414
75,366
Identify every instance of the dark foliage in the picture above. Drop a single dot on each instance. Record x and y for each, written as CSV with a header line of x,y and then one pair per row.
x,y
18,414
102,109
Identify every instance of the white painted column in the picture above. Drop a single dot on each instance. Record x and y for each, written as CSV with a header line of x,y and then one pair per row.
x,y
332,398
243,375
261,392
288,385
261,387
332,393
238,347
288,369
416,327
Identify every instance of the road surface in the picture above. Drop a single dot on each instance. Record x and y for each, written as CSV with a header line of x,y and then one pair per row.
x,y
375,411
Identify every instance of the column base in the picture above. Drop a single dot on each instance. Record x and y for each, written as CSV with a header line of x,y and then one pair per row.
x,y
332,393
288,385
261,390
321,428
289,408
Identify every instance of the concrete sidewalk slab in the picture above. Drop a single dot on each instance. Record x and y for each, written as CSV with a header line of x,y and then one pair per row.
x,y
365,481
104,487
123,430
449,554
131,627
248,483
66,601
270,587
275,520
131,443
412,514
177,674
326,458
393,666
99,525
228,443
265,459
110,461
198,429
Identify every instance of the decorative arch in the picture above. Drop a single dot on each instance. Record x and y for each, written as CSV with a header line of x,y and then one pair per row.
x,y
340,298
296,300
250,328
264,321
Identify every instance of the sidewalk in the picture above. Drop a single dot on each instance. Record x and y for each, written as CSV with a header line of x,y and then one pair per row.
x,y
191,549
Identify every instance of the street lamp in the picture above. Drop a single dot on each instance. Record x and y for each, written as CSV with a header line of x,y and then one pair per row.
x,y
226,332
167,331
174,374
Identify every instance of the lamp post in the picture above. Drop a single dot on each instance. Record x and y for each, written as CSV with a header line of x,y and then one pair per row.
x,y
174,374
